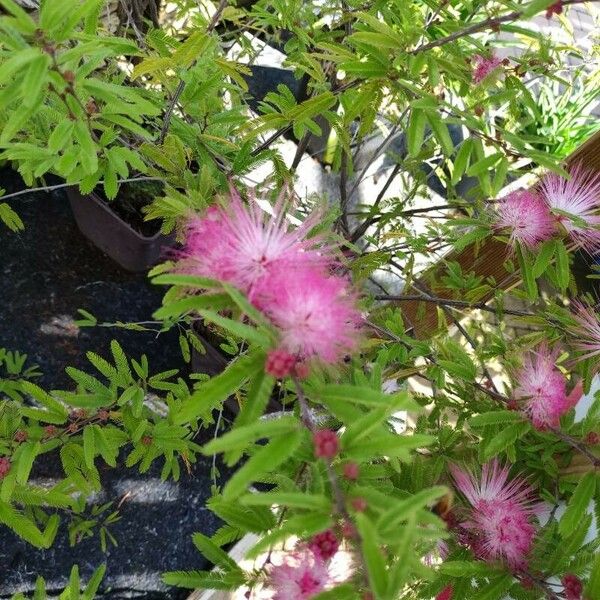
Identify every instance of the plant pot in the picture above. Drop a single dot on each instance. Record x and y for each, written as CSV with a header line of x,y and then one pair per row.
x,y
213,362
111,234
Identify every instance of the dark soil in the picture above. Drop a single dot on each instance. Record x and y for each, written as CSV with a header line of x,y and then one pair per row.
x,y
131,202
47,272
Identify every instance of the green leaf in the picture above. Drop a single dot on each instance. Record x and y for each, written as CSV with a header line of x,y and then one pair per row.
x,y
592,588
373,556
463,568
26,455
495,417
246,332
440,130
365,396
216,390
181,306
527,274
483,165
213,553
562,266
257,399
264,461
403,509
495,589
505,438
204,580
94,583
543,258
240,437
462,160
578,504
416,131
292,499
89,446
10,218
34,81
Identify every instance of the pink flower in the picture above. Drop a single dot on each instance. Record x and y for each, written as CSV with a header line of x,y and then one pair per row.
x,y
240,244
578,196
587,330
554,9
301,576
541,389
483,67
280,363
526,216
499,525
573,586
446,593
326,443
314,313
324,545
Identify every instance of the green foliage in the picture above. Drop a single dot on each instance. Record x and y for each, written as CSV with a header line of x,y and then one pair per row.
x,y
73,591
97,108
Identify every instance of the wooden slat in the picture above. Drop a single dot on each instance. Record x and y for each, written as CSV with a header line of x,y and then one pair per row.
x,y
486,261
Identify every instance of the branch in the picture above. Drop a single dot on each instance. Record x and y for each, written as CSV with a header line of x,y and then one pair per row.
x,y
482,25
49,188
340,502
577,445
453,303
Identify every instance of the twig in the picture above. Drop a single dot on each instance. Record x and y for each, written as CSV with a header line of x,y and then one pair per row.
x,y
340,502
482,25
575,444
454,303
49,188
181,85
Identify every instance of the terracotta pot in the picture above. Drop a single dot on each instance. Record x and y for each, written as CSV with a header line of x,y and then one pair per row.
x,y
116,238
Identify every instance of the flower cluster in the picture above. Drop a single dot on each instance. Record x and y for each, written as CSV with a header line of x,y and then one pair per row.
x,y
541,389
285,273
483,67
536,215
586,331
304,573
301,576
499,525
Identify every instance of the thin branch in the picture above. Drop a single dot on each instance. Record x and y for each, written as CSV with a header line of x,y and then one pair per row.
x,y
577,445
490,23
340,502
454,304
50,188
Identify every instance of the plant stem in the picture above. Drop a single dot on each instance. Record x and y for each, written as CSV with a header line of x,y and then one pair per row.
x,y
453,303
340,502
482,25
49,188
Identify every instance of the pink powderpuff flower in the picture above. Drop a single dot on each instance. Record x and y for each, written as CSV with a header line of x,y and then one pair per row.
x,y
484,66
446,593
541,391
499,525
578,196
526,216
586,332
314,313
301,576
240,244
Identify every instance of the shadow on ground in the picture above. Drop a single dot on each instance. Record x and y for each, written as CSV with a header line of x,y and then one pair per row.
x,y
47,272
